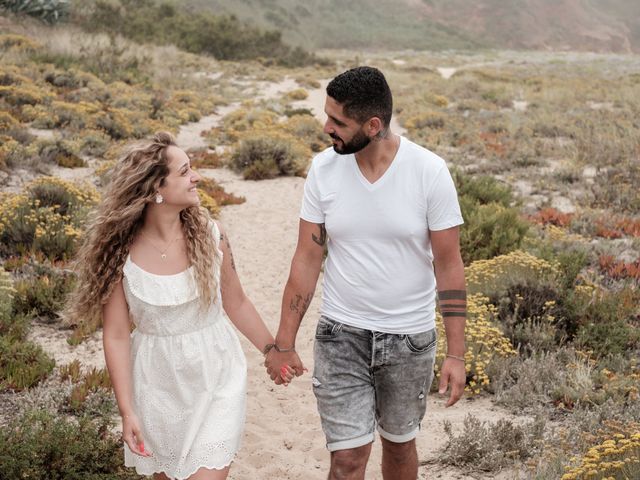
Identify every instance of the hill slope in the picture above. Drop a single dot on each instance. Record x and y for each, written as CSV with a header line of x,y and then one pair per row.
x,y
586,25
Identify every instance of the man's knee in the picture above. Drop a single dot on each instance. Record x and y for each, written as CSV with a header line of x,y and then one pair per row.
x,y
400,453
349,462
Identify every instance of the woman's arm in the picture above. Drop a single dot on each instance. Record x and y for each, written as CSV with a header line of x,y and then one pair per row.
x,y
117,352
239,308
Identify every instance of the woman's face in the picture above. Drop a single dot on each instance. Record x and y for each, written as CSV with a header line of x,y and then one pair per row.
x,y
179,186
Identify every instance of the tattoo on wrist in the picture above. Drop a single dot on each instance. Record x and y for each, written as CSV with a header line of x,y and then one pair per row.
x,y
322,239
453,303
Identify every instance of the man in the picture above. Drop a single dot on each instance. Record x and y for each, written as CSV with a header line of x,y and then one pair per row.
x,y
389,210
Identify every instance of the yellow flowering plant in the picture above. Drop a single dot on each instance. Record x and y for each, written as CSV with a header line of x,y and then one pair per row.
x,y
484,342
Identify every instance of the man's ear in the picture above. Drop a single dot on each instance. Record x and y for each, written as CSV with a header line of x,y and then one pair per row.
x,y
374,126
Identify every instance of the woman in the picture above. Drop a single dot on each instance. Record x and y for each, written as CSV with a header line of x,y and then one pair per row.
x,y
152,256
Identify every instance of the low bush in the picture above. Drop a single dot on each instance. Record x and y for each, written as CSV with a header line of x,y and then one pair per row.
x,y
7,292
528,315
496,276
90,392
41,291
298,94
218,194
41,444
563,378
604,323
22,364
261,155
489,447
12,326
616,457
205,159
492,225
307,129
46,218
62,153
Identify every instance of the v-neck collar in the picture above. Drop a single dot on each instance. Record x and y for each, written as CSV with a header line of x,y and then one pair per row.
x,y
380,181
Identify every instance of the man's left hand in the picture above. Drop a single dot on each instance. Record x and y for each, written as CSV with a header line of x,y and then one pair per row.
x,y
454,376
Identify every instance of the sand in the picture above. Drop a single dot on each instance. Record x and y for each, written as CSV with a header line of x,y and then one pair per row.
x,y
283,438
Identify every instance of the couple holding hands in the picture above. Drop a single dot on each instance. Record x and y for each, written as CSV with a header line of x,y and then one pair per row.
x,y
387,211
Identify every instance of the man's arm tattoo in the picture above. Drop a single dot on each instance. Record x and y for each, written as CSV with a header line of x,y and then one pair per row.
x,y
453,303
226,241
323,236
300,305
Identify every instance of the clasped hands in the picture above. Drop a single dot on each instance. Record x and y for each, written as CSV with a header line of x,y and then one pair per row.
x,y
282,367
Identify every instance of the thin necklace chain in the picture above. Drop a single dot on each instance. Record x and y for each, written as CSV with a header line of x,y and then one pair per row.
x,y
163,253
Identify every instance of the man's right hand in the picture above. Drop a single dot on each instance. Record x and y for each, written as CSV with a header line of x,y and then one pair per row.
x,y
274,361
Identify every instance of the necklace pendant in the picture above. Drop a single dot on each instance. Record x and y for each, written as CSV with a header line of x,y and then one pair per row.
x,y
163,256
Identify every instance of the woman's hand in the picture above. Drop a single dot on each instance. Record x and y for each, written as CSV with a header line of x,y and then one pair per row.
x,y
132,435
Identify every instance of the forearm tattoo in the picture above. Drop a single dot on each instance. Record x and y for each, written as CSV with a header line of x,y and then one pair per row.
x,y
226,242
322,239
453,303
300,305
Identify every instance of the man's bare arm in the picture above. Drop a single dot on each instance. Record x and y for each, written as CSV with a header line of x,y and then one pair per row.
x,y
298,293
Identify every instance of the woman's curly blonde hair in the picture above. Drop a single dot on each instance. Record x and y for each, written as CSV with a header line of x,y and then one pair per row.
x,y
117,221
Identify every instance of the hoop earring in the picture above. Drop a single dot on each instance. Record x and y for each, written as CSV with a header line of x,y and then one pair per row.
x,y
159,198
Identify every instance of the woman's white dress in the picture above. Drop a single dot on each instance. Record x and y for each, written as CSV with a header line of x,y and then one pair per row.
x,y
189,374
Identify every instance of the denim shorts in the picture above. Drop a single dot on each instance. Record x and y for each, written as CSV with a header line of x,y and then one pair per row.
x,y
364,379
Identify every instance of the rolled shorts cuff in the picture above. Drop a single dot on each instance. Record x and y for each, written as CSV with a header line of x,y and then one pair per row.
x,y
398,438
351,443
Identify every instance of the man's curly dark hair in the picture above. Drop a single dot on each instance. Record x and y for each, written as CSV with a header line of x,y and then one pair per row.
x,y
363,93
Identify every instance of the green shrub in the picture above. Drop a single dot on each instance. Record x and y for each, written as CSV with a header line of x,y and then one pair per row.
x,y
95,381
71,371
7,293
40,444
482,189
223,36
602,323
489,230
268,154
492,224
22,364
42,293
12,326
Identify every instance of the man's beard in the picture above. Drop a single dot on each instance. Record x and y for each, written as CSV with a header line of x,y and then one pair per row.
x,y
357,143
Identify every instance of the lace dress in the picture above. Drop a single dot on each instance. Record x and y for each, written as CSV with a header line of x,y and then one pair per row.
x,y
189,375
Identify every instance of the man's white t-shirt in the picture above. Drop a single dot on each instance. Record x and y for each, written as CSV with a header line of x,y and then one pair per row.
x,y
379,269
